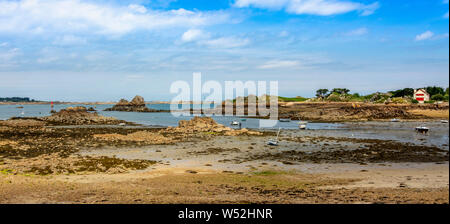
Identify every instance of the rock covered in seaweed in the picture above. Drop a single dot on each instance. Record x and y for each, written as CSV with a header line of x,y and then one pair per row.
x,y
78,116
207,124
136,105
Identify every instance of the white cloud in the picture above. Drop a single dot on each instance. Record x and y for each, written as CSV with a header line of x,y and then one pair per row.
x,y
73,16
227,42
137,8
279,64
4,44
203,38
313,7
46,60
69,40
446,15
424,36
193,35
9,54
358,32
284,33
134,77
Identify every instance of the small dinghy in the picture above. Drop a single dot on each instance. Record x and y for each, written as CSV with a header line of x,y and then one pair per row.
x,y
235,123
243,119
395,120
274,142
285,120
444,121
422,130
302,125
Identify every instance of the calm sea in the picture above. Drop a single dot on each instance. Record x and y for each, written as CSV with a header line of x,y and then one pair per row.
x,y
159,119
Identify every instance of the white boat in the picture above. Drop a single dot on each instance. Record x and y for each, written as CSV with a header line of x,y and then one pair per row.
x,y
395,120
444,121
274,142
235,123
285,120
302,125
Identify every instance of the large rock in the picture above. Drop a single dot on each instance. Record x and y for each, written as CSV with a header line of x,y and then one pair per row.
x,y
138,101
78,116
136,105
207,124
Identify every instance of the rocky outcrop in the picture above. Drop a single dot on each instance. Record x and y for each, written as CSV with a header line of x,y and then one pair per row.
x,y
207,124
22,122
78,116
136,105
68,116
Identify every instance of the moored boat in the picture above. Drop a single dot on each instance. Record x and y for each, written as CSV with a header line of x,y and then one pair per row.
x,y
235,123
422,129
274,142
302,125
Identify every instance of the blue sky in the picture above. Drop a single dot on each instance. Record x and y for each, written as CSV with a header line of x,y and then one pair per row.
x,y
81,50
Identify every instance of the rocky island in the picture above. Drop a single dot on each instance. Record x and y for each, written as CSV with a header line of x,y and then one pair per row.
x,y
69,116
136,105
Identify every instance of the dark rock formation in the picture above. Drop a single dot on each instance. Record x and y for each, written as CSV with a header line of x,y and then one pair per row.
x,y
78,116
136,105
68,116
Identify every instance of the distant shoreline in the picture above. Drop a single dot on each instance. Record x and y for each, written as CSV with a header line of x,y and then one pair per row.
x,y
87,103
55,103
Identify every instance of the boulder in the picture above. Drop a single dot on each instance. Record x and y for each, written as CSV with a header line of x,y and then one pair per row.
x,y
78,116
136,105
207,124
138,101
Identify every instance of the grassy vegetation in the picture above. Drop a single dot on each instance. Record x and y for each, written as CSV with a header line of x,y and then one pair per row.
x,y
268,173
292,99
401,96
6,171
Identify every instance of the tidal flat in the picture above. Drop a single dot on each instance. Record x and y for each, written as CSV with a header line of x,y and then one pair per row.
x,y
201,161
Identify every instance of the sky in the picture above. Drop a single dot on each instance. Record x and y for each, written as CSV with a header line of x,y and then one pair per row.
x,y
84,50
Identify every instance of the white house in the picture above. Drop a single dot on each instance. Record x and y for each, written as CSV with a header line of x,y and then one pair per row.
x,y
421,95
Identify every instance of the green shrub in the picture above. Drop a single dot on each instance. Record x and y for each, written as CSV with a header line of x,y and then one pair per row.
x,y
438,97
399,100
292,99
334,98
414,101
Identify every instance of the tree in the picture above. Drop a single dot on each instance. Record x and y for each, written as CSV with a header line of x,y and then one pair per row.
x,y
321,93
403,92
341,91
438,97
434,90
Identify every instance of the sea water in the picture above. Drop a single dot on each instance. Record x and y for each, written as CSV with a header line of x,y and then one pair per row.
x,y
155,119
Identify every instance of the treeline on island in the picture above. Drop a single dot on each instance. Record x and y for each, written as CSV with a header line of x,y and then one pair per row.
x,y
405,95
16,99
